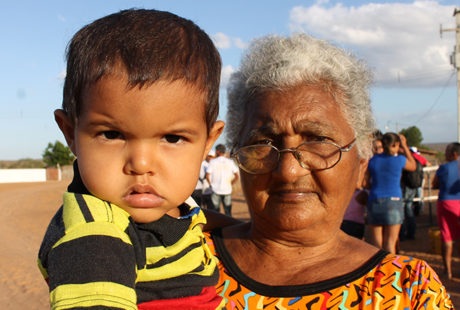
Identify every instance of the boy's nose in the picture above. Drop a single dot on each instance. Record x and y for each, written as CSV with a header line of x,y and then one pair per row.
x,y
140,160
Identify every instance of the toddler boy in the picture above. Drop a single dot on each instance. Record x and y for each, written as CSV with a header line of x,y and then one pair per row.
x,y
139,112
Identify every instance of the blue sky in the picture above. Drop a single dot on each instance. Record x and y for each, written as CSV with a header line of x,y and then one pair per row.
x,y
399,40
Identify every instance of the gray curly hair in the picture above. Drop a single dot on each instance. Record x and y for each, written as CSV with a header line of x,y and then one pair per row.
x,y
277,62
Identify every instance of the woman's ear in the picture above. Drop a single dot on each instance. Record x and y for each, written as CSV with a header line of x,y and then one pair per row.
x,y
362,173
214,133
67,127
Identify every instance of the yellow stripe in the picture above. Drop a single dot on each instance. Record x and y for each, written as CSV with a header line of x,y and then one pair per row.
x,y
93,294
182,266
94,228
100,210
42,269
155,254
71,213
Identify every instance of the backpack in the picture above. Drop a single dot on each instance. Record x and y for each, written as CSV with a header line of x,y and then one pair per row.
x,y
413,179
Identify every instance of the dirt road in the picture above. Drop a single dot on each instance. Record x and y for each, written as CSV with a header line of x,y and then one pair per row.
x,y
26,209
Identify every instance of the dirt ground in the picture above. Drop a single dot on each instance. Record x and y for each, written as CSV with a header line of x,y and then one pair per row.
x,y
26,209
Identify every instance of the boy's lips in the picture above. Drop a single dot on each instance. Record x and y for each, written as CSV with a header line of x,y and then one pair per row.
x,y
142,196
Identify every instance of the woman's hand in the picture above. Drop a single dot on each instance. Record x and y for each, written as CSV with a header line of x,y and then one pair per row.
x,y
410,162
403,140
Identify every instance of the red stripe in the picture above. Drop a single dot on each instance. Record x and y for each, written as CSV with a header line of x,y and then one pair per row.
x,y
208,299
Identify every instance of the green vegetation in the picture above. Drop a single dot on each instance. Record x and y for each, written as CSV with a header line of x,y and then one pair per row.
x,y
413,135
57,153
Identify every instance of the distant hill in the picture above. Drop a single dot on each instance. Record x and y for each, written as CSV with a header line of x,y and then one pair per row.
x,y
440,147
22,163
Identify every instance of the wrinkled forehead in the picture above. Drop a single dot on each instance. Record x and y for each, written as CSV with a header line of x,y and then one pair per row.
x,y
302,109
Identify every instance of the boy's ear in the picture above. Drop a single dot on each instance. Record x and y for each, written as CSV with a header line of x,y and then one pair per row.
x,y
214,133
66,127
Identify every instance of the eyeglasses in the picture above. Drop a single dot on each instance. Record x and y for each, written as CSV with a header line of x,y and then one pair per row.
x,y
314,156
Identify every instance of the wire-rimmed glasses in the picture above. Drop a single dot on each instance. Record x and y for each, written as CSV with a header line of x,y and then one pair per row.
x,y
314,156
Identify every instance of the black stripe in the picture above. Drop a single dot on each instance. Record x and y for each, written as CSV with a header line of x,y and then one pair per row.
x,y
84,208
185,285
92,259
138,244
54,232
168,260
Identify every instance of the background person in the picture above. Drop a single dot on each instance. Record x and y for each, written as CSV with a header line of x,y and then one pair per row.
x,y
385,212
411,185
299,124
202,186
207,190
377,147
447,179
221,174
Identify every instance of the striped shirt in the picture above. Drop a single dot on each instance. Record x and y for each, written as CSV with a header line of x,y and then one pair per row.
x,y
94,255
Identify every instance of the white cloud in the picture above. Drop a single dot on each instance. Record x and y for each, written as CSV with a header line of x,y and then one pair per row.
x,y
239,43
225,75
223,41
401,42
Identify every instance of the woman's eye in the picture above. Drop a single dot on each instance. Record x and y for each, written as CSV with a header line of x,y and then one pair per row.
x,y
264,141
111,134
173,138
319,138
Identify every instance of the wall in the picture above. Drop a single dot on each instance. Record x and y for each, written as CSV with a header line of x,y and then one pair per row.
x,y
22,175
36,175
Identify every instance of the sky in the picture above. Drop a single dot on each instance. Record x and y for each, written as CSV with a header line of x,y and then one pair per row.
x,y
414,82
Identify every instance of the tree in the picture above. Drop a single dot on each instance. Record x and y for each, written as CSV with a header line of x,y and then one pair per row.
x,y
413,136
57,153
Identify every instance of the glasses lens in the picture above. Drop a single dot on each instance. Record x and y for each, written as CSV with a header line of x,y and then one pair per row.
x,y
257,158
318,155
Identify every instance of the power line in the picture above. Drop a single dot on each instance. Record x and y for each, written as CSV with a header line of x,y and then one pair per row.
x,y
437,99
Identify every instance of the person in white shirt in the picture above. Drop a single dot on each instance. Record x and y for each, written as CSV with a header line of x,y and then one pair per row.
x,y
202,192
221,174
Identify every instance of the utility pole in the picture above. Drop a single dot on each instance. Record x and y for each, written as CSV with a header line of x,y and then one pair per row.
x,y
455,61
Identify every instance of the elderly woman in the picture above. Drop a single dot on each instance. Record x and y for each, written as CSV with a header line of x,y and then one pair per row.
x,y
300,125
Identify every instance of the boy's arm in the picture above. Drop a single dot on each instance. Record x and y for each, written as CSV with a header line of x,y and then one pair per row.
x,y
90,270
216,219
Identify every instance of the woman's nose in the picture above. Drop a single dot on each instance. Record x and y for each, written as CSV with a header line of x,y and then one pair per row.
x,y
289,168
140,159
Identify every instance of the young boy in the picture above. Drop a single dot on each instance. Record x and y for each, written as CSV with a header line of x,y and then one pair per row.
x,y
139,112
447,179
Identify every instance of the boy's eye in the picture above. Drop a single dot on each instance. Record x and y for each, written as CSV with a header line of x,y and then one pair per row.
x,y
173,138
111,134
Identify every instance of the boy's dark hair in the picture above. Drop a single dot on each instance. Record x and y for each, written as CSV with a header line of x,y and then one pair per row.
x,y
452,148
388,140
150,45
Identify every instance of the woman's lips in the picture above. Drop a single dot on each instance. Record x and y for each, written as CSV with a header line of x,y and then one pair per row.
x,y
293,195
143,196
